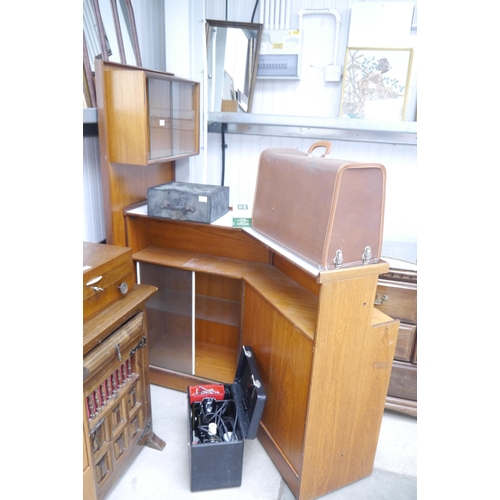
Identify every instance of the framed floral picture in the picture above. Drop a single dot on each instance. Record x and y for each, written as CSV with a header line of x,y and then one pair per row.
x,y
375,83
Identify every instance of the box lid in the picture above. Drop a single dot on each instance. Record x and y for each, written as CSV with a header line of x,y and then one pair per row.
x,y
249,394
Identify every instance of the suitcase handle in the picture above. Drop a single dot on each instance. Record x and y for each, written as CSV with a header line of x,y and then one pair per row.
x,y
325,144
179,208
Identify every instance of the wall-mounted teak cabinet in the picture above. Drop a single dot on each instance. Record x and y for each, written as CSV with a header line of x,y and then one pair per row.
x,y
146,119
152,116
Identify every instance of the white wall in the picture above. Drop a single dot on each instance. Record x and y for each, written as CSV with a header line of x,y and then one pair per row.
x,y
312,96
185,52
182,36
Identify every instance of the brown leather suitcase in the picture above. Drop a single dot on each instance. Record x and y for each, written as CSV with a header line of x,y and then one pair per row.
x,y
329,212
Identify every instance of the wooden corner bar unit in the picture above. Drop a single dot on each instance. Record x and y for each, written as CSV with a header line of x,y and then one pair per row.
x,y
323,350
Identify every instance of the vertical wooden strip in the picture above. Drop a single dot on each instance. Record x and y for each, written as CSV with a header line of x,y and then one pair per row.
x,y
350,375
118,29
100,30
135,39
89,78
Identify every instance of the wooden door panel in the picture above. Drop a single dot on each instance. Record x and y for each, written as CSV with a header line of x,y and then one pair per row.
x,y
284,357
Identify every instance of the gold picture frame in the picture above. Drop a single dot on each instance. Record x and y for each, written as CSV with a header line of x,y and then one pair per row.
x,y
375,83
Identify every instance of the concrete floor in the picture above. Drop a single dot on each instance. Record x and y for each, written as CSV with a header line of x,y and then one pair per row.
x,y
165,474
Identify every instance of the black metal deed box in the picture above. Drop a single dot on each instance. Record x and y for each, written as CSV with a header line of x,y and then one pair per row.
x,y
188,201
221,417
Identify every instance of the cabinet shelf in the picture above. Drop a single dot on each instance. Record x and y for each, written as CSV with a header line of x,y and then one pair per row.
x,y
221,371
293,301
217,310
320,128
171,301
207,308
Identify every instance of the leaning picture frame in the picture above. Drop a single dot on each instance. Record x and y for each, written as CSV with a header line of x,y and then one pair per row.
x,y
375,83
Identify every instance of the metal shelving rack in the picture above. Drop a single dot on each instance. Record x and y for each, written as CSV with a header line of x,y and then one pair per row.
x,y
335,129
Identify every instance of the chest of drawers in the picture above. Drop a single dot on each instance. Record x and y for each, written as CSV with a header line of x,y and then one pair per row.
x,y
117,417
397,297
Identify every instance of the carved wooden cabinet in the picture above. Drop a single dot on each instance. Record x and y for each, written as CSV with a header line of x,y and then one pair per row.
x,y
324,352
397,297
117,417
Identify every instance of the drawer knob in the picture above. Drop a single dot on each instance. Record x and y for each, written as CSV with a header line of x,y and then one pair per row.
x,y
381,299
123,288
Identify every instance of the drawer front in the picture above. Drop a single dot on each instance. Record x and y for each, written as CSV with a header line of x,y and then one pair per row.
x,y
397,300
107,355
107,289
106,267
403,383
406,342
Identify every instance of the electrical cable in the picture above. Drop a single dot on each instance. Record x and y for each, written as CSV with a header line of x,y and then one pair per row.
x,y
254,9
223,146
213,424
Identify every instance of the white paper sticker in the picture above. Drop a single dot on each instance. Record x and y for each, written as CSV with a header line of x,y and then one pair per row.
x,y
162,122
202,199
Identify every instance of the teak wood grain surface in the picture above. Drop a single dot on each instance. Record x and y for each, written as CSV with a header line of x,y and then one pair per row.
x,y
323,351
350,375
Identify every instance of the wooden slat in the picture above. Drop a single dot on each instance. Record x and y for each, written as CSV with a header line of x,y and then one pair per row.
x,y
401,405
212,240
101,31
118,31
350,376
290,299
353,272
135,39
125,336
96,329
89,84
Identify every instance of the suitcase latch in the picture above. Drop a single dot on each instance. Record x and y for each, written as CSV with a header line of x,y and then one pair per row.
x,y
367,255
338,259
